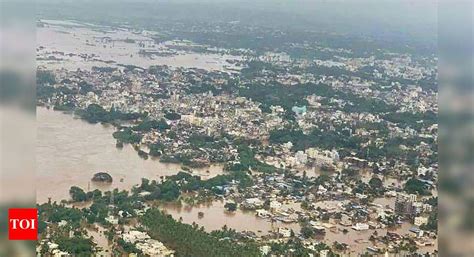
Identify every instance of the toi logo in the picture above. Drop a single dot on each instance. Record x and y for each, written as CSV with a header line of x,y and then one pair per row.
x,y
23,224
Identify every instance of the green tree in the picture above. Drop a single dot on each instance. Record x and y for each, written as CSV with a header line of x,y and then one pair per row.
x,y
77,194
230,206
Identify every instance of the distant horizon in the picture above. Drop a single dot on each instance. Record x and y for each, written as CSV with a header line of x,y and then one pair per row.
x,y
409,22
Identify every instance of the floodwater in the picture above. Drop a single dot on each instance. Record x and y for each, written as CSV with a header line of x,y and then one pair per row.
x,y
98,233
70,45
216,216
70,151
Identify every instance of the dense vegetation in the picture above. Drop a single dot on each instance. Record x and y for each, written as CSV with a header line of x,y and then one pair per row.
x,y
76,246
148,125
416,186
248,162
95,113
127,135
184,182
318,137
45,77
287,97
189,240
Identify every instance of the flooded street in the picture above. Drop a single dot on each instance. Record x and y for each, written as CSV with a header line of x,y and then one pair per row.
x,y
70,151
98,233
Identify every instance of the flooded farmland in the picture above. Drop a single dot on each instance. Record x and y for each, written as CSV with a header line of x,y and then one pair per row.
x,y
69,45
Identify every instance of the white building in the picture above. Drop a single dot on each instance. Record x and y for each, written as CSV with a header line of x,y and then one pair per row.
x,y
360,226
323,253
420,221
153,247
275,205
262,213
134,236
301,158
284,232
112,220
265,250
287,146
